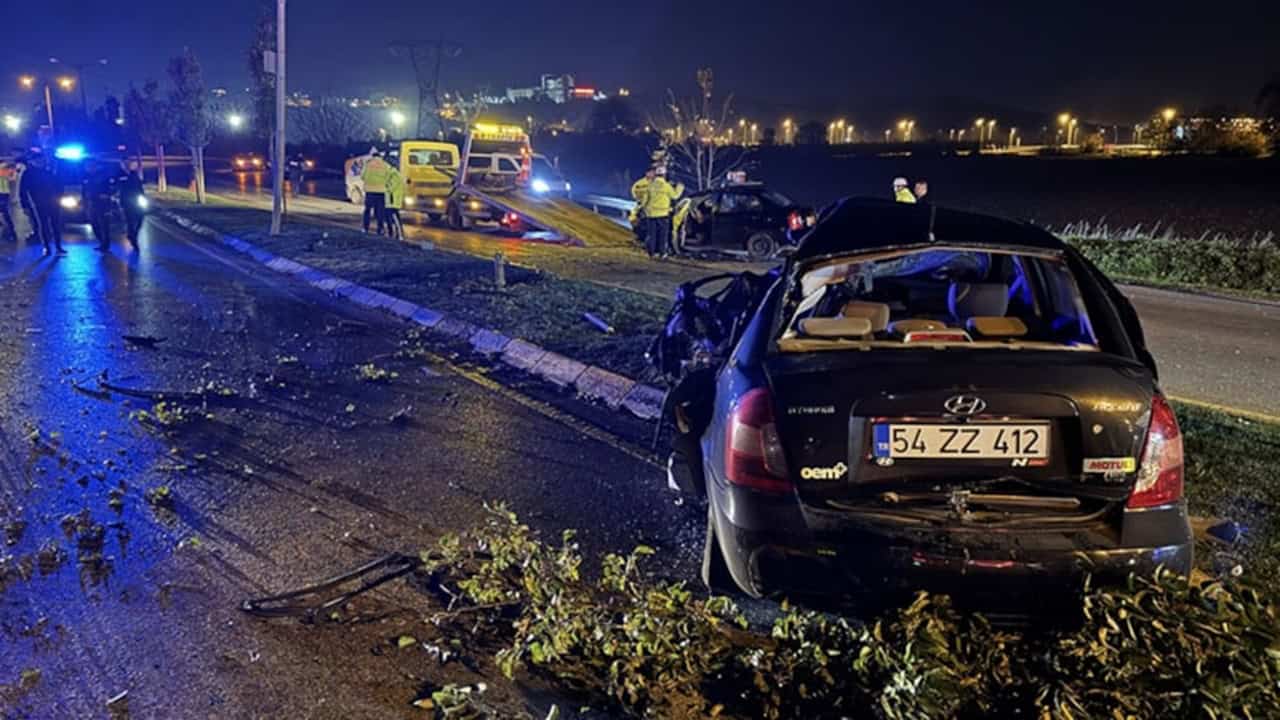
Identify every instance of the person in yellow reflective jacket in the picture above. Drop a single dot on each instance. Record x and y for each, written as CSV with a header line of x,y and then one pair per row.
x,y
901,192
395,200
639,191
656,209
375,174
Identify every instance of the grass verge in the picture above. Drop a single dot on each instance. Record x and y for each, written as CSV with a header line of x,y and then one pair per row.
x,y
536,306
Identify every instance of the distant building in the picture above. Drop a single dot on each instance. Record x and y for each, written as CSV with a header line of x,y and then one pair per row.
x,y
559,89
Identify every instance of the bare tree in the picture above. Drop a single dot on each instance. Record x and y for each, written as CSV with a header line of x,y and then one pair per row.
x,y
332,122
188,102
427,60
695,146
147,114
262,81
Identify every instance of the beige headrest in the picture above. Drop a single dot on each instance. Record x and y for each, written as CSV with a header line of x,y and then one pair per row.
x,y
876,313
997,326
902,327
842,327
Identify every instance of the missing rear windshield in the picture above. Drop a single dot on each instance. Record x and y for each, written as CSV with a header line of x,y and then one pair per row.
x,y
937,297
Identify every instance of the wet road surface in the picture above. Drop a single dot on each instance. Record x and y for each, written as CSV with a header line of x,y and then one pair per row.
x,y
288,471
1218,351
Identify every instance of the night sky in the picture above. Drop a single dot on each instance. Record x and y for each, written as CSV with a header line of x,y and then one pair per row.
x,y
1106,60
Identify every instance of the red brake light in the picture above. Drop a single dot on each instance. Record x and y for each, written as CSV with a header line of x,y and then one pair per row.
x,y
752,448
794,221
1160,474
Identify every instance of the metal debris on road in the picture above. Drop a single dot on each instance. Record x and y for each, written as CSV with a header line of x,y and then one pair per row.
x,y
603,326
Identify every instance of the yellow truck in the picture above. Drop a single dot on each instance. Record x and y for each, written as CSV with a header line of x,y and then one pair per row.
x,y
429,167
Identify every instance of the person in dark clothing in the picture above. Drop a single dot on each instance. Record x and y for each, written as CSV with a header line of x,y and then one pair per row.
x,y
921,190
98,190
133,200
40,198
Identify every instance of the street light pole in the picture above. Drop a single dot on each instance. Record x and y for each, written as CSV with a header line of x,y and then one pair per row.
x,y
277,170
48,106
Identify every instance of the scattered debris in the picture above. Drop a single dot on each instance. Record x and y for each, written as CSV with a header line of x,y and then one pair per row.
x,y
351,407
405,641
372,373
160,496
601,325
403,416
13,531
143,341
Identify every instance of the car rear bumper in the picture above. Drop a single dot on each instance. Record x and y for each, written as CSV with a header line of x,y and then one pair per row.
x,y
829,558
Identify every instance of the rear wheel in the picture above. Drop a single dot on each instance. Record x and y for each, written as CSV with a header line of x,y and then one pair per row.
x,y
715,571
433,218
761,246
356,196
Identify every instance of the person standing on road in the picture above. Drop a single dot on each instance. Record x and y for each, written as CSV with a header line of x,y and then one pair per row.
x,y
901,193
657,212
8,181
921,189
99,196
640,193
375,176
395,200
133,199
40,199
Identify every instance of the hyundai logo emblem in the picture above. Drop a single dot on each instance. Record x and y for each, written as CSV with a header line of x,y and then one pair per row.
x,y
965,405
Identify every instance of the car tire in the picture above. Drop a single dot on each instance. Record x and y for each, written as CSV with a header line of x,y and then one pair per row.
x,y
356,196
715,571
433,218
761,246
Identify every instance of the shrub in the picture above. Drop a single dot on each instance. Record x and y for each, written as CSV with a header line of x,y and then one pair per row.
x,y
1248,265
1161,647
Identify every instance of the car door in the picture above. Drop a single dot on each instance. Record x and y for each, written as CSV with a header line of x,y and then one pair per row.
x,y
736,215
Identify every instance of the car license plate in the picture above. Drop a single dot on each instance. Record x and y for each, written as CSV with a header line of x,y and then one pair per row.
x,y
972,441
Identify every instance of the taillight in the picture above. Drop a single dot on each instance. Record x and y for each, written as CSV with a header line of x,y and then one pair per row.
x,y
795,221
752,449
510,219
1160,474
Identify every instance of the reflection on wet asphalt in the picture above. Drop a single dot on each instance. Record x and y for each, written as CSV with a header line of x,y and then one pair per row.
x,y
131,525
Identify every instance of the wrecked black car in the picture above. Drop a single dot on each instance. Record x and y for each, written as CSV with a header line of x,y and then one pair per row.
x,y
924,399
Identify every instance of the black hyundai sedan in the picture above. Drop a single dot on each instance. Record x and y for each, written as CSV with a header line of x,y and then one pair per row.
x,y
932,399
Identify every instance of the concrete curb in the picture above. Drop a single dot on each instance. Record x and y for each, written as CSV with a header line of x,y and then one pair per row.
x,y
616,391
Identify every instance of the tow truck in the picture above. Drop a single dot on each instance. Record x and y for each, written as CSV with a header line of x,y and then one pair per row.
x,y
489,179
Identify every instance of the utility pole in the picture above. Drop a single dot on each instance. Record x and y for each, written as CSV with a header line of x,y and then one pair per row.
x,y
277,169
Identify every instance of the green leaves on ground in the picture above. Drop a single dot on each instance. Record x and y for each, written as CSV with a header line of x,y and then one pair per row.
x,y
1160,647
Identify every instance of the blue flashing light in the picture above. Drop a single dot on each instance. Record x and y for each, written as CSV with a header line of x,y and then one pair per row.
x,y
73,152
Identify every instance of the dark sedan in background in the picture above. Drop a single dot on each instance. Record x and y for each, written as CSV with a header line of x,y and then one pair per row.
x,y
742,218
925,398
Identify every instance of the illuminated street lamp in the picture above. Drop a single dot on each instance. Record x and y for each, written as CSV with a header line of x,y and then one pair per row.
x,y
788,131
991,130
235,121
1169,114
905,127
398,120
12,123
29,82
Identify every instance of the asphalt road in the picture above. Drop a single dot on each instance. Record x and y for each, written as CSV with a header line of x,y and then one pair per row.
x,y
295,475
1216,351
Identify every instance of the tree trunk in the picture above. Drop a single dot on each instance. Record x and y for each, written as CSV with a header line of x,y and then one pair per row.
x,y
162,180
197,156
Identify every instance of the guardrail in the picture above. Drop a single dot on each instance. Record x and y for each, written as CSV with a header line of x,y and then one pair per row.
x,y
615,208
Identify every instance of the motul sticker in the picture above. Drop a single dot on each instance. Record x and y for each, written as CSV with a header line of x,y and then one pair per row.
x,y
1106,466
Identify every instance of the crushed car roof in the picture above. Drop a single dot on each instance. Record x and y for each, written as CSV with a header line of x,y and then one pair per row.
x,y
864,224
